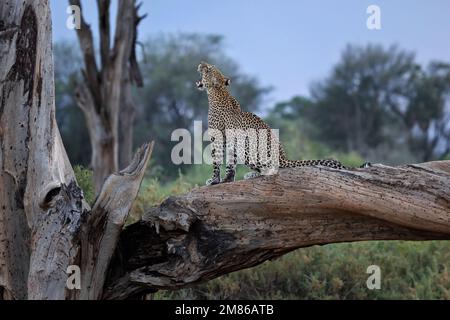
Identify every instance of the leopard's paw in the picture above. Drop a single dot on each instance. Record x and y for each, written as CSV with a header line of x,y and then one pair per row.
x,y
251,175
228,178
366,165
212,181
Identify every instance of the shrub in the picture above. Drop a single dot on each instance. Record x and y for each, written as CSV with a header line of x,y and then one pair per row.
x,y
409,270
152,193
84,179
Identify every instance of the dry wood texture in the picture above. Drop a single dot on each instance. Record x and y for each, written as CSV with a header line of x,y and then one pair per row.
x,y
45,226
216,230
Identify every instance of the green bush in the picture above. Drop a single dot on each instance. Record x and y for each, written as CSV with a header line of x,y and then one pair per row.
x,y
84,179
409,270
152,193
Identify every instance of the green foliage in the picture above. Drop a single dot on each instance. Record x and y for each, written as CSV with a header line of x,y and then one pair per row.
x,y
299,146
409,270
352,104
84,179
380,103
70,119
427,115
152,193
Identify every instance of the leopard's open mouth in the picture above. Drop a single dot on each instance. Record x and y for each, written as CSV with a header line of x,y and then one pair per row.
x,y
199,84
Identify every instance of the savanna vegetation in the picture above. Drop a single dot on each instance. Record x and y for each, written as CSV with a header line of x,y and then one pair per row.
x,y
377,104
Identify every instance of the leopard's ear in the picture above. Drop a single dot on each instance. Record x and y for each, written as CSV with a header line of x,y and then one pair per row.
x,y
227,81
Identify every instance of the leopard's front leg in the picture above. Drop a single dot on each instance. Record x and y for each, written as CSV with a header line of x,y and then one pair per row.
x,y
216,155
231,161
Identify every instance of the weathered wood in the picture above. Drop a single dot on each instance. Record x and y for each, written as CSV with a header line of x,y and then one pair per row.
x,y
34,167
215,230
106,222
45,226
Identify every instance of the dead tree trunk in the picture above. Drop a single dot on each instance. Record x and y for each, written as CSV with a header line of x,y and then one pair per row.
x,y
216,230
101,95
45,226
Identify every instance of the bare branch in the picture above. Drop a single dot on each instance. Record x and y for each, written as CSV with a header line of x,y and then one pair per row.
x,y
101,97
104,27
90,71
135,72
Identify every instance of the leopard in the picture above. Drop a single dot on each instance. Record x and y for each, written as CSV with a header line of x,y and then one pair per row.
x,y
233,130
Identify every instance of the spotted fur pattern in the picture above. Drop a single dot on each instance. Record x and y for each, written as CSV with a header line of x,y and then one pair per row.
x,y
225,115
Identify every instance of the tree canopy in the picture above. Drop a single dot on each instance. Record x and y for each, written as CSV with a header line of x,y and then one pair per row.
x,y
380,103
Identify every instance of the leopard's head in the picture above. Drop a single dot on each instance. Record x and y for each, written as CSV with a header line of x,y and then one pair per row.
x,y
211,77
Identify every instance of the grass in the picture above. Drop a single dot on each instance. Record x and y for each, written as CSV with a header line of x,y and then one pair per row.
x,y
84,179
409,270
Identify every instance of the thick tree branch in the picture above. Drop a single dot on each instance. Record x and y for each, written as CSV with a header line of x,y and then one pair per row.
x,y
216,230
106,221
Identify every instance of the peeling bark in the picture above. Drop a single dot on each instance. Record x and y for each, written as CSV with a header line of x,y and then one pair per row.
x,y
35,171
45,226
106,221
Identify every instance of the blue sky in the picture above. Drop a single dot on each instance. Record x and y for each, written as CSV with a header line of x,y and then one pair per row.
x,y
288,44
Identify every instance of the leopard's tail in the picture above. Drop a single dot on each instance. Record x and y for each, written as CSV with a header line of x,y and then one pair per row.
x,y
306,163
325,163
